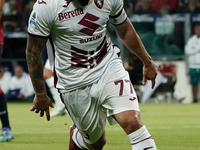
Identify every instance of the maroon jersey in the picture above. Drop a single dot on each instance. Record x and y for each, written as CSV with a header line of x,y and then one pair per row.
x,y
1,33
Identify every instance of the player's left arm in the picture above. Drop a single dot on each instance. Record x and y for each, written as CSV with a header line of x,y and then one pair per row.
x,y
130,38
42,102
33,50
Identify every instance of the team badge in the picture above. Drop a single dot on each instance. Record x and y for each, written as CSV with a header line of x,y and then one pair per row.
x,y
99,3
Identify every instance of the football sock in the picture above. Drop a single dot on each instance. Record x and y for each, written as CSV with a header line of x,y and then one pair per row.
x,y
142,140
54,91
4,112
78,139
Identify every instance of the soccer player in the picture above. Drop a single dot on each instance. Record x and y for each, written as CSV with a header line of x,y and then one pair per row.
x,y
88,71
7,133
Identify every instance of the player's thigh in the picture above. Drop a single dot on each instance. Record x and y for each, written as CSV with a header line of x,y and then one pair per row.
x,y
117,93
86,113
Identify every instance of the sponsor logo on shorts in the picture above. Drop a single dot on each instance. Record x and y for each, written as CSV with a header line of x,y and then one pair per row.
x,y
132,99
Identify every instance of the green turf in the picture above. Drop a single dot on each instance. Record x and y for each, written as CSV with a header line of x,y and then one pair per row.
x,y
173,126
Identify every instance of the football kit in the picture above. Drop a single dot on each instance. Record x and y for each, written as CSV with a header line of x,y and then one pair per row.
x,y
78,47
87,66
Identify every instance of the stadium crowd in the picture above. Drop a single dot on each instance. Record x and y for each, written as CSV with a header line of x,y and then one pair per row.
x,y
17,86
15,19
161,6
16,12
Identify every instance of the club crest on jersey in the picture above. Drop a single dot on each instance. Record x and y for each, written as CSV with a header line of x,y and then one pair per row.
x,y
99,3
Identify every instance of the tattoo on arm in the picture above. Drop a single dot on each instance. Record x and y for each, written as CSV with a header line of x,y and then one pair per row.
x,y
34,62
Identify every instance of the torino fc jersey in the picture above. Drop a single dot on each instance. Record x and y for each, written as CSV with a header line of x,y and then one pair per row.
x,y
79,48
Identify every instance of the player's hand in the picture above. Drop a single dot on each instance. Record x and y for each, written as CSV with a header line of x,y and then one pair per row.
x,y
41,104
149,73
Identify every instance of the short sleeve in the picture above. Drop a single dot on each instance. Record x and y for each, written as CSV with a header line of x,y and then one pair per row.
x,y
118,14
40,21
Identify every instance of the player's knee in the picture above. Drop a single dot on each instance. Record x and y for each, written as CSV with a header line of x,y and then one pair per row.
x,y
98,145
130,121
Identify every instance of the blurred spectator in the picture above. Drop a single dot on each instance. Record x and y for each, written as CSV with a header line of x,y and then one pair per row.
x,y
164,27
25,16
20,85
164,6
12,20
5,77
24,3
129,6
6,8
192,51
19,7
192,6
144,7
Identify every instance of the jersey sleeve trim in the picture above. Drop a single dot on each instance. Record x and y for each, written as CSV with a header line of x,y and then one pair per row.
x,y
119,18
38,36
117,14
120,23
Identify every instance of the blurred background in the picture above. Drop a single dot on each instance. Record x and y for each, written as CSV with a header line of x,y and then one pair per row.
x,y
164,27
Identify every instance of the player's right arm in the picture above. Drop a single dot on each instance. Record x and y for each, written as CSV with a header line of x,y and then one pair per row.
x,y
33,50
39,28
41,102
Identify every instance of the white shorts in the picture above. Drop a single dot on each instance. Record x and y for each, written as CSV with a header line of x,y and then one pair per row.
x,y
89,107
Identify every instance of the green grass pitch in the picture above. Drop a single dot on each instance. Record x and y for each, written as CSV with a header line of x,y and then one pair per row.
x,y
173,127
